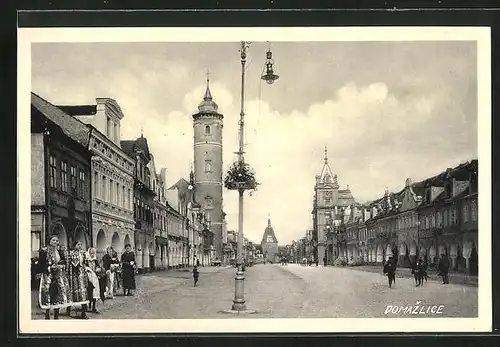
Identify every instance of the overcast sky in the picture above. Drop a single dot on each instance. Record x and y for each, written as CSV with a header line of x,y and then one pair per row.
x,y
386,111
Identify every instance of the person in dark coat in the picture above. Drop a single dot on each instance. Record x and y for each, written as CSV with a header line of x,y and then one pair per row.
x,y
324,261
110,263
128,268
418,272
196,275
444,267
390,271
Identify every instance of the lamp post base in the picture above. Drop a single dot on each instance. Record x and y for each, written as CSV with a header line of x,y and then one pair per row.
x,y
239,305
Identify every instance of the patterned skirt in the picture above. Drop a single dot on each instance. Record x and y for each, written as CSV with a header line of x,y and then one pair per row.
x,y
79,282
54,290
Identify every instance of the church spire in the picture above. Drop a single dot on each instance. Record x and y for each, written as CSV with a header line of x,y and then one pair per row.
x,y
326,156
269,220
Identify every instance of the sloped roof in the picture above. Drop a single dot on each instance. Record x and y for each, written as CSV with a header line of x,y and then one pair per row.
x,y
79,110
182,183
130,147
70,126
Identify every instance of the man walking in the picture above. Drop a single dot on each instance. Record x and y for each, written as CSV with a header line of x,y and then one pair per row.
x,y
444,266
390,271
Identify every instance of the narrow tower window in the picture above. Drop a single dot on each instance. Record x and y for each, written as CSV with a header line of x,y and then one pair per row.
x,y
208,166
207,130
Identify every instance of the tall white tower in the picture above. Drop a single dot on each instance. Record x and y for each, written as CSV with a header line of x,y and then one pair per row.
x,y
207,124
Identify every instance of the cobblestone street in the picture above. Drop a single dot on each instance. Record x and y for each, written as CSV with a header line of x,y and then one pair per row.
x,y
291,291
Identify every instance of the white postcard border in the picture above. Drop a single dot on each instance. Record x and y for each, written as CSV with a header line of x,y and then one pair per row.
x,y
481,35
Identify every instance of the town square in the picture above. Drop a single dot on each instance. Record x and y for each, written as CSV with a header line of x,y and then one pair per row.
x,y
174,180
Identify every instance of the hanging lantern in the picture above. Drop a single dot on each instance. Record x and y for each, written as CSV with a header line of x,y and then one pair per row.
x,y
269,76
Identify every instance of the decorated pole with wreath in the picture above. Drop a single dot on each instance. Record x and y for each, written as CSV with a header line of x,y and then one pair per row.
x,y
241,177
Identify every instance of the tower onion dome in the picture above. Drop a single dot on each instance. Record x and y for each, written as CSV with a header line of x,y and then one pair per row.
x,y
208,105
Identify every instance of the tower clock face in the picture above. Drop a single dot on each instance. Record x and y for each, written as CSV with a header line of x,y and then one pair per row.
x,y
328,194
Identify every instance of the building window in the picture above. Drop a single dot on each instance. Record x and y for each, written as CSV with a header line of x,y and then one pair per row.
x,y
117,201
103,188
208,166
64,176
73,179
453,216
439,220
115,131
426,222
128,200
473,210
123,197
465,212
81,184
95,184
328,201
108,127
207,130
110,191
53,171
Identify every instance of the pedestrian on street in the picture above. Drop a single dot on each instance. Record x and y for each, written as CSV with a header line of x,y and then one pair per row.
x,y
78,279
96,276
390,271
196,275
418,273
444,267
54,287
324,261
128,268
110,263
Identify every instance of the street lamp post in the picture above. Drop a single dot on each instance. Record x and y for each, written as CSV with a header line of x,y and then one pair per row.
x,y
269,77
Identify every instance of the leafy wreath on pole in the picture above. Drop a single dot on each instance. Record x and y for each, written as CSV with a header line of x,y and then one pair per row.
x,y
240,176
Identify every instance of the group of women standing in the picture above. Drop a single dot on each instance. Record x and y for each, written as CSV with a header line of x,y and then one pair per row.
x,y
78,278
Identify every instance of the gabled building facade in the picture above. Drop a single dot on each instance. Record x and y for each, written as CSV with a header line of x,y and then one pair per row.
x,y
328,202
61,200
143,195
112,175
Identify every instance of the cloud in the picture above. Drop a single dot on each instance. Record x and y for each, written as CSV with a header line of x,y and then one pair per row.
x,y
364,127
404,114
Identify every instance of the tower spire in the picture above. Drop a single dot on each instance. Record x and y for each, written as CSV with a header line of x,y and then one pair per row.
x,y
326,155
269,219
208,94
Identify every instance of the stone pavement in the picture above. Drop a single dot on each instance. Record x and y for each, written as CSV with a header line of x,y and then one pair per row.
x,y
348,293
291,291
455,277
294,291
271,291
146,284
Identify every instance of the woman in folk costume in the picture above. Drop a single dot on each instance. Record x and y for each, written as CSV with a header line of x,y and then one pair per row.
x,y
54,288
110,263
95,274
128,268
78,278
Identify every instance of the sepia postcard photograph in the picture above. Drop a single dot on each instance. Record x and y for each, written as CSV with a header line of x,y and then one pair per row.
x,y
254,180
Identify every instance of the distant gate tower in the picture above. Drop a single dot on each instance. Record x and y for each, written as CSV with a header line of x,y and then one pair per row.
x,y
207,126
